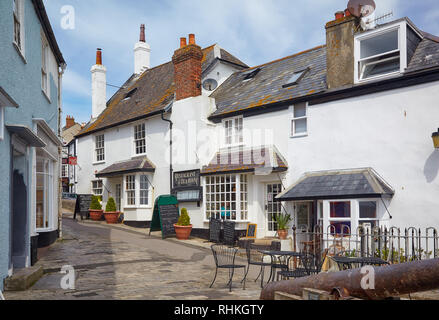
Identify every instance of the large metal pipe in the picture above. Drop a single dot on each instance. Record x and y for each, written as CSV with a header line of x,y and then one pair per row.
x,y
390,281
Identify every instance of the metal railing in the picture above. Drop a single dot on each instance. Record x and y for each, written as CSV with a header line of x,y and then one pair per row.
x,y
393,244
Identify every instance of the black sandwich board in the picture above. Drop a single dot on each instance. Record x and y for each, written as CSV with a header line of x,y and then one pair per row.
x,y
82,206
164,216
214,230
229,233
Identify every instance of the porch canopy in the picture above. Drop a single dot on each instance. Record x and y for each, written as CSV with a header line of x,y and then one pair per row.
x,y
140,164
260,160
341,184
26,134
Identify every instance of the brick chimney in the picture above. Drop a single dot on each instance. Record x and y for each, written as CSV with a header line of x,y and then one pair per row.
x,y
98,86
142,53
340,50
187,69
70,122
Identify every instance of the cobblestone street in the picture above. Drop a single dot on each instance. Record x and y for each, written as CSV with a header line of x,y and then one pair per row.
x,y
122,263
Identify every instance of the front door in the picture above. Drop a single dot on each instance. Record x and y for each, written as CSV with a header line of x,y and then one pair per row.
x,y
119,197
272,207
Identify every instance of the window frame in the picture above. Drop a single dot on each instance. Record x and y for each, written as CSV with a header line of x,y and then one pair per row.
x,y
236,130
136,140
2,122
294,119
98,188
48,189
97,149
18,18
239,201
359,63
137,191
45,83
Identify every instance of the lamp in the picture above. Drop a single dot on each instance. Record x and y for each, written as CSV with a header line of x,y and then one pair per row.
x,y
435,136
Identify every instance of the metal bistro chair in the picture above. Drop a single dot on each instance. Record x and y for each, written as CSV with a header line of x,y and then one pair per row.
x,y
256,258
224,257
305,268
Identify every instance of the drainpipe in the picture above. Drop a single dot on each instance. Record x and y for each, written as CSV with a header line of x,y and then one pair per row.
x,y
60,74
170,151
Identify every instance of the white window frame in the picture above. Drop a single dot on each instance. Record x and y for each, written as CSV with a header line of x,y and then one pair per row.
x,y
45,83
137,191
96,148
64,170
402,49
135,140
49,183
93,189
148,189
2,122
240,210
294,119
236,136
126,190
18,17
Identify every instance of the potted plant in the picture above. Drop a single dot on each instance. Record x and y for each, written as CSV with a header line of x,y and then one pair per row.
x,y
111,214
183,226
282,224
95,209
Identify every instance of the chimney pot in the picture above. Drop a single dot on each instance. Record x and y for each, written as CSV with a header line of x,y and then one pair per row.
x,y
191,38
142,33
339,15
99,56
183,42
347,13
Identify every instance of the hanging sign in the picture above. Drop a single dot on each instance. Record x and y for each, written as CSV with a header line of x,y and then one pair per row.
x,y
73,161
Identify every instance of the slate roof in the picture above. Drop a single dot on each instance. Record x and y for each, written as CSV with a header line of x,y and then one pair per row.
x,y
140,164
151,92
237,94
261,160
343,184
426,55
69,134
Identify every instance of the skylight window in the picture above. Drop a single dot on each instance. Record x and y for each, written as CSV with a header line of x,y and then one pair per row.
x,y
130,94
251,74
295,78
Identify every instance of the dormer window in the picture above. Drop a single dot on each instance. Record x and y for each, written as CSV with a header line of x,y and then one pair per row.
x,y
381,52
251,74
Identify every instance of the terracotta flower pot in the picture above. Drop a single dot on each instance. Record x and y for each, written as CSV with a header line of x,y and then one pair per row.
x,y
111,217
183,232
95,215
282,234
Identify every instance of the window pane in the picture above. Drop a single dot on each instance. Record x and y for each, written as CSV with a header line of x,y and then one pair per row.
x,y
379,44
300,126
368,209
299,110
383,65
340,209
338,227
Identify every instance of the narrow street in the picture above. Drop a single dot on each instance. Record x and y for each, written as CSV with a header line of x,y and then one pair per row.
x,y
113,263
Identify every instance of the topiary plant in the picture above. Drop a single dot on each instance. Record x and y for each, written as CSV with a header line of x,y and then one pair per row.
x,y
111,205
95,204
184,219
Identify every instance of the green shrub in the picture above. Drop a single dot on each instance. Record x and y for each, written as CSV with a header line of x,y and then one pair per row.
x,y
95,204
184,219
111,205
283,220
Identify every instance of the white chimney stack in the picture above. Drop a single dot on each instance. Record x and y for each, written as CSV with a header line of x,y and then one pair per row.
x,y
98,86
142,52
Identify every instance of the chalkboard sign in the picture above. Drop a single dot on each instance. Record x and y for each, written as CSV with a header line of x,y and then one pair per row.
x,y
251,230
229,233
214,230
82,206
165,215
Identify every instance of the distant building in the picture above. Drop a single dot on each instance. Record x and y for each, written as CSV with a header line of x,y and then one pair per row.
x,y
31,67
68,167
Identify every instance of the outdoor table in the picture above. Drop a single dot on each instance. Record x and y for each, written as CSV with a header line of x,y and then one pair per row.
x,y
276,259
350,262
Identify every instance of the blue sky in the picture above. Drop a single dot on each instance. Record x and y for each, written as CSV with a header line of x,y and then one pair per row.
x,y
256,31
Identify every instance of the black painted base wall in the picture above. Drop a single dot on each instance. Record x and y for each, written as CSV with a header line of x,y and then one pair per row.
x,y
33,250
204,233
45,239
138,224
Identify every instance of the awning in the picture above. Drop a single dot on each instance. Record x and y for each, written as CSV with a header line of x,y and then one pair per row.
x,y
341,184
260,160
26,134
141,164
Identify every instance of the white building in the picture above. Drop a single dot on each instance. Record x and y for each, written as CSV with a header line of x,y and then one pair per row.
x,y
342,131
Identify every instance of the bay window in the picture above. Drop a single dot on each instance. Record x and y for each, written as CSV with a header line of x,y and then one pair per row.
x,y
97,187
144,190
130,190
44,192
137,190
340,217
227,197
368,215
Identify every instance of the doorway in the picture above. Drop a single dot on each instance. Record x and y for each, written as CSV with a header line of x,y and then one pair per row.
x,y
272,207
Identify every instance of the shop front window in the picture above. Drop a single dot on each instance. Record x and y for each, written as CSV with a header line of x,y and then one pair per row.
x,y
44,192
226,197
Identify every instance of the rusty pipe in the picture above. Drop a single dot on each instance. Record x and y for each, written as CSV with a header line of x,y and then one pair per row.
x,y
390,281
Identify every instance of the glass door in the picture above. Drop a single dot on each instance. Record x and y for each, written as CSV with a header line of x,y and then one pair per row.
x,y
272,207
118,196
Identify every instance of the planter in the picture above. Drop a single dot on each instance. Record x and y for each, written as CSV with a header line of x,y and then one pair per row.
x,y
96,215
112,217
183,232
282,234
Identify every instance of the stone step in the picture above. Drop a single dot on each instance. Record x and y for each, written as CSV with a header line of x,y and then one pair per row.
x,y
23,279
